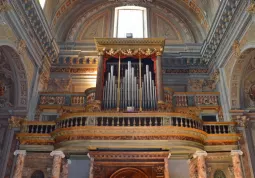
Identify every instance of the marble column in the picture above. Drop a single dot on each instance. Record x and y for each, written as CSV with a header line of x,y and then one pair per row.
x,y
91,168
192,168
57,158
100,73
237,163
166,170
159,78
19,163
201,166
65,168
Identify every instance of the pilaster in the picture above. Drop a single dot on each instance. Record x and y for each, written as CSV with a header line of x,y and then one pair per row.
x,y
19,163
57,157
237,163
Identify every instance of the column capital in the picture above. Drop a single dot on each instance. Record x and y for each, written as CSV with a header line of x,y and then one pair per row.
x,y
20,152
236,152
199,154
57,153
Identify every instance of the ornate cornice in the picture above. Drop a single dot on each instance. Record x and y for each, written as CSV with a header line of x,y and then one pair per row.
x,y
217,33
41,29
130,47
99,155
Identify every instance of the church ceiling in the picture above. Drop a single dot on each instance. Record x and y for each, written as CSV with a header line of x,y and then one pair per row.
x,y
65,14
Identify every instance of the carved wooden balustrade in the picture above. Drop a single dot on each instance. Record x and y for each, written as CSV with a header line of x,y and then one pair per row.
x,y
80,121
219,127
208,127
150,129
38,127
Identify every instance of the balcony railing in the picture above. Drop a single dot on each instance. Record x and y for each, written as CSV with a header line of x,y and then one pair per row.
x,y
129,122
38,127
219,127
208,127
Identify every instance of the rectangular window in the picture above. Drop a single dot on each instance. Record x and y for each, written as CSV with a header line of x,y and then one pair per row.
x,y
130,19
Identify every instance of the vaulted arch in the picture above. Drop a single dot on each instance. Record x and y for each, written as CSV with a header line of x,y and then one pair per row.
x,y
73,18
13,79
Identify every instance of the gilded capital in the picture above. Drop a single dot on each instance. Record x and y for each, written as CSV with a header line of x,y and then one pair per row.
x,y
236,152
20,152
57,153
199,154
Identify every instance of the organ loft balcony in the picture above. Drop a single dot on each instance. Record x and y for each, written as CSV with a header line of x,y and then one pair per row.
x,y
129,109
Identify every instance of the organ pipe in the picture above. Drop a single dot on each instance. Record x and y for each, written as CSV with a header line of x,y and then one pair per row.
x,y
127,90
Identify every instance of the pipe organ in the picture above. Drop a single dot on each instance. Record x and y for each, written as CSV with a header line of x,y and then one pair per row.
x,y
135,90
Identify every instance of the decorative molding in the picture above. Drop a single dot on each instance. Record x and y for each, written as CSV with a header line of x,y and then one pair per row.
x,y
98,155
74,70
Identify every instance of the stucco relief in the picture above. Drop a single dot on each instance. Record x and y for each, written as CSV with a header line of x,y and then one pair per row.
x,y
160,25
72,34
96,26
165,29
178,23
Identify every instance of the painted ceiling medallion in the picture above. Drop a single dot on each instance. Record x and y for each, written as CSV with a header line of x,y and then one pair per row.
x,y
252,92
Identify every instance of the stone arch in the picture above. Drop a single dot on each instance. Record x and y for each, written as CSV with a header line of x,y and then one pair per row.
x,y
12,62
239,70
129,171
37,174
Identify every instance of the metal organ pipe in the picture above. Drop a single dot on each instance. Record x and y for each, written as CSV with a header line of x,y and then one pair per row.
x,y
129,95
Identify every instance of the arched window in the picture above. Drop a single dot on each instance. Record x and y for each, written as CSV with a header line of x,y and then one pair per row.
x,y
37,174
42,3
219,174
130,19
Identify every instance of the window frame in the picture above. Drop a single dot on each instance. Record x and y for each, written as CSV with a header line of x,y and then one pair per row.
x,y
116,19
